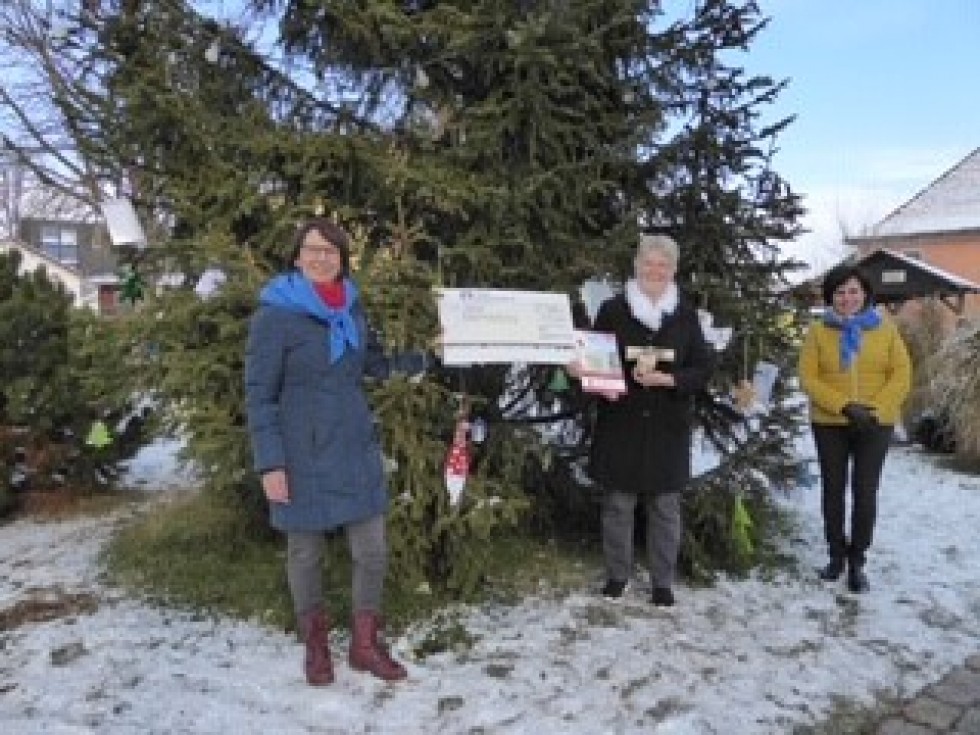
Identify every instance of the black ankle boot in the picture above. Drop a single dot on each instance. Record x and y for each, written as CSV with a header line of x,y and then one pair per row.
x,y
833,570
662,597
857,580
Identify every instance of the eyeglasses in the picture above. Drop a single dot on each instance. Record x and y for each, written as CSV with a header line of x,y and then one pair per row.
x,y
321,251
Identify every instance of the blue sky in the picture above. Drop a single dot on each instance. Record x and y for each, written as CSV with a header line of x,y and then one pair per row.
x,y
887,98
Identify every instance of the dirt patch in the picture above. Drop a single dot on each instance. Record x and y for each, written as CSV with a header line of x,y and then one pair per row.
x,y
45,605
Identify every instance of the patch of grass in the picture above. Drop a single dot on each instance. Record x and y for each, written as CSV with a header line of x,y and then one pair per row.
x,y
59,506
44,605
967,464
524,565
444,633
194,552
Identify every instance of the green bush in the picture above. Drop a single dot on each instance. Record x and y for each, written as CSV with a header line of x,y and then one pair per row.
x,y
62,387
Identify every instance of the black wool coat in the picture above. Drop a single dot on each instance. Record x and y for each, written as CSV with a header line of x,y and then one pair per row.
x,y
642,441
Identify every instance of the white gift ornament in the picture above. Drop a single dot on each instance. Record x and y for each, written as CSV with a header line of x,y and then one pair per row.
x,y
755,396
210,283
593,292
717,337
764,380
123,224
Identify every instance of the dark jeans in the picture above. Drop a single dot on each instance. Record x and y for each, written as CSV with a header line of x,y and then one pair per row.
x,y
842,450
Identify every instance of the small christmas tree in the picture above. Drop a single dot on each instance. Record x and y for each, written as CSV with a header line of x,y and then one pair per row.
x,y
59,384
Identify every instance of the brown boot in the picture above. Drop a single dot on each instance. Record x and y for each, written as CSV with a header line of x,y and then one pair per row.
x,y
367,653
315,629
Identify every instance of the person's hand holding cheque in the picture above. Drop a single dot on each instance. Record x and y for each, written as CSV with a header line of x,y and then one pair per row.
x,y
437,344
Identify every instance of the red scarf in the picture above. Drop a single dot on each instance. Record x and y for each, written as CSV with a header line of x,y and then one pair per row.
x,y
332,293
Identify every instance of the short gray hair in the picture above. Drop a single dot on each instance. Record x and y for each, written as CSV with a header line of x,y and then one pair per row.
x,y
662,244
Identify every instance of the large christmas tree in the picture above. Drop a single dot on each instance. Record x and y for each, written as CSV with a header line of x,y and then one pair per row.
x,y
496,143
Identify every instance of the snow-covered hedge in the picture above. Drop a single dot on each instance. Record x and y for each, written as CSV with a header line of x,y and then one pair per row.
x,y
955,386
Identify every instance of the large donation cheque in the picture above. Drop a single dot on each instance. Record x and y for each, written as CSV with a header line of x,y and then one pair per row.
x,y
488,325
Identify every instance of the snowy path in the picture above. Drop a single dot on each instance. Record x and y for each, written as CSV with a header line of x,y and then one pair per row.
x,y
744,657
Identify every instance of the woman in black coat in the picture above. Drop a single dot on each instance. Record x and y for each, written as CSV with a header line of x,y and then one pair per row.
x,y
642,443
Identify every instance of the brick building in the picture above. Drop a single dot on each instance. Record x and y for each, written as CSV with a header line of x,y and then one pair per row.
x,y
939,226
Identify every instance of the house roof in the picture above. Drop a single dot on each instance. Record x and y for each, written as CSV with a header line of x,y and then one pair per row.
x,y
7,245
951,203
101,275
897,277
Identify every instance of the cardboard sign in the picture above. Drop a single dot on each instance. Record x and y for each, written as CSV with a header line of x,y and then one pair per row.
x,y
598,354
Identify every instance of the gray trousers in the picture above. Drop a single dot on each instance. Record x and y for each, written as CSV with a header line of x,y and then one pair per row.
x,y
663,535
369,558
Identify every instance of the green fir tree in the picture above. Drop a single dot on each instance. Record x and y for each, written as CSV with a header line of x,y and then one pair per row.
x,y
58,380
497,143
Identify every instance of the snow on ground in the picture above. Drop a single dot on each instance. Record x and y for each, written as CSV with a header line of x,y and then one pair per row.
x,y
156,467
747,656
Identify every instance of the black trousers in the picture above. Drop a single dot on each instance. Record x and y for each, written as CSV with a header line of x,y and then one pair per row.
x,y
843,451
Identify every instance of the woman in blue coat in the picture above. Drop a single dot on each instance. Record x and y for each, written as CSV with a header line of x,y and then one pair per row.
x,y
314,439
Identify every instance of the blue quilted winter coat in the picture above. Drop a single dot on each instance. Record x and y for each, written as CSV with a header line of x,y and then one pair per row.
x,y
309,415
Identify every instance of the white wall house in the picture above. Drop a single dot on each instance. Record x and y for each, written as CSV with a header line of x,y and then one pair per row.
x,y
68,254
84,293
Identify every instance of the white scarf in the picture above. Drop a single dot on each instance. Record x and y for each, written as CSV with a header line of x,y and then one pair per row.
x,y
646,311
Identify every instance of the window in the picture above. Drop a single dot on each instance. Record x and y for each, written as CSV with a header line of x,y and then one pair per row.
x,y
60,243
917,254
894,276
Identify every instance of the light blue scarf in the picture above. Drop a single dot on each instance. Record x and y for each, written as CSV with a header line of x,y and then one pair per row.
x,y
850,331
295,292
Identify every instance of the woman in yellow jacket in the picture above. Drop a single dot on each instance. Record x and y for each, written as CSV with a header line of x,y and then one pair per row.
x,y
855,369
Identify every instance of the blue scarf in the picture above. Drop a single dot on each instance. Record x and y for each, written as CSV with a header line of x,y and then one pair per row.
x,y
850,331
295,292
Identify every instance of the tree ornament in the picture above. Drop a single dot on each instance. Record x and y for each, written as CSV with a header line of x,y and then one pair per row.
x,y
559,381
123,223
98,436
457,466
131,289
717,337
742,528
210,283
744,395
478,430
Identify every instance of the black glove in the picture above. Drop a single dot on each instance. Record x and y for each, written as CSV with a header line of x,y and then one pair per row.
x,y
859,416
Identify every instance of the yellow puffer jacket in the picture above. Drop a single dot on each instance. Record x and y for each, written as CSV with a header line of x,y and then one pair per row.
x,y
879,376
